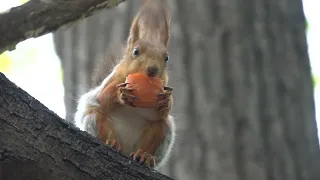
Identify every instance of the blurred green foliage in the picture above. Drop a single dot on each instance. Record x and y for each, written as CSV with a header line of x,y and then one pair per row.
x,y
5,62
315,80
61,74
23,1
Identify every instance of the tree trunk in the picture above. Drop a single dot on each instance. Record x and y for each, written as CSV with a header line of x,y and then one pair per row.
x,y
36,144
243,90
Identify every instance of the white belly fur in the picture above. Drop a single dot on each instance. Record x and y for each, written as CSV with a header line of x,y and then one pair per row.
x,y
130,122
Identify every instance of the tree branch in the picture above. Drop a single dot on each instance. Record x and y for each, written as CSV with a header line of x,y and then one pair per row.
x,y
39,17
36,144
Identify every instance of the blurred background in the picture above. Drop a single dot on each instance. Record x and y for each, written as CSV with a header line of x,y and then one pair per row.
x,y
57,68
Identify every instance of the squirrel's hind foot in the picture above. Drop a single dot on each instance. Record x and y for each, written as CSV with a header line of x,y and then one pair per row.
x,y
143,158
115,145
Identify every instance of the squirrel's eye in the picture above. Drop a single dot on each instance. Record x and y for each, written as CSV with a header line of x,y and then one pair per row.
x,y
136,52
167,58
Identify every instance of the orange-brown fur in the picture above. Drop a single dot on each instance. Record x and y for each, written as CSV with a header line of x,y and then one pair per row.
x,y
152,136
105,127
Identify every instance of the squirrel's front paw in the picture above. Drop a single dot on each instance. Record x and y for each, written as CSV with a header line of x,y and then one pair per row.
x,y
114,144
164,100
143,157
125,97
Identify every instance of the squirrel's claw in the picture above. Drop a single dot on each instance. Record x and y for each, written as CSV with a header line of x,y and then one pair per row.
x,y
122,84
125,97
166,94
125,90
167,88
114,144
163,103
143,158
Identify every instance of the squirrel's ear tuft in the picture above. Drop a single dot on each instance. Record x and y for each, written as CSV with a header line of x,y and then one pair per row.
x,y
152,23
134,32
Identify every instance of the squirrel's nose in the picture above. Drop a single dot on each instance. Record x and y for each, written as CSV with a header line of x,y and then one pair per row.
x,y
153,71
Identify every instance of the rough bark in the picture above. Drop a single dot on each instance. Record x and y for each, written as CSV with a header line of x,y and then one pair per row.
x,y
243,90
39,17
36,144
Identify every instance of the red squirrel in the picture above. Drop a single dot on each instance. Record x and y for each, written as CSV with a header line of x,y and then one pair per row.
x,y
145,134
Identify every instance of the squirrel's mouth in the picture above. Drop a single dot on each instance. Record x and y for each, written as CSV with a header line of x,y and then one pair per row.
x,y
152,74
152,71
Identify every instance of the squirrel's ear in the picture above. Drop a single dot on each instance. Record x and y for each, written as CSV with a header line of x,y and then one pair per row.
x,y
152,23
134,32
164,23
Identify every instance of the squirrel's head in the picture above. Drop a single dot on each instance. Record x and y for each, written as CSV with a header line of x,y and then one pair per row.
x,y
147,44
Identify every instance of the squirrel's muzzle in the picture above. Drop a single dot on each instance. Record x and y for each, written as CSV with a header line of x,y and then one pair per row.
x,y
152,71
